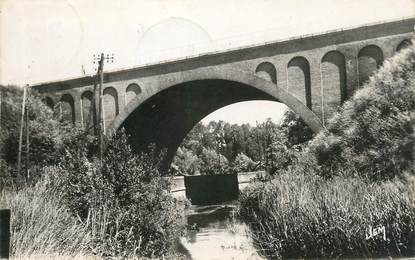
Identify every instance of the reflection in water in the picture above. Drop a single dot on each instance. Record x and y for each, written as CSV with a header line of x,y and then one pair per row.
x,y
216,234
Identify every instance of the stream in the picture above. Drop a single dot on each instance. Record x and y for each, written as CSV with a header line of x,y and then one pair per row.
x,y
215,233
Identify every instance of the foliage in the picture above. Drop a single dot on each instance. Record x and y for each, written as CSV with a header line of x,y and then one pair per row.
x,y
279,156
285,142
213,163
372,134
186,162
123,204
305,216
124,200
48,135
297,132
267,145
243,163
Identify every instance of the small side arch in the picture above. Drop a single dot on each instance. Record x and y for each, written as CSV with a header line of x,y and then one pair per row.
x,y
110,104
67,108
403,44
267,71
48,101
370,58
86,108
298,81
131,92
333,74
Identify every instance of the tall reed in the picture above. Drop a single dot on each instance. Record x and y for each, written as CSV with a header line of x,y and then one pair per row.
x,y
41,224
307,216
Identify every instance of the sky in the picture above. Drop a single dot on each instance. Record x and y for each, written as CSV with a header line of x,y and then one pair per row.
x,y
247,112
50,40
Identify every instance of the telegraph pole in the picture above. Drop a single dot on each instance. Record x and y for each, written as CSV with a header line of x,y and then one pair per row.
x,y
1,92
94,108
268,149
27,135
219,143
19,155
100,75
100,108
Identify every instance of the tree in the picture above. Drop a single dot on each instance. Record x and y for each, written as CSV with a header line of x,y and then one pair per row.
x,y
297,130
186,162
213,163
47,135
263,144
243,163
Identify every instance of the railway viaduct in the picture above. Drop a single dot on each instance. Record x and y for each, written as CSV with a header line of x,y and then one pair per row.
x,y
160,103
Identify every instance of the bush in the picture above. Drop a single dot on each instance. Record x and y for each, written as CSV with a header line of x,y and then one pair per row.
x,y
297,216
280,155
124,201
185,162
213,162
243,163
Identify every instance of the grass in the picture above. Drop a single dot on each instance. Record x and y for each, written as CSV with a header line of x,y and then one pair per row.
x,y
56,257
41,225
299,216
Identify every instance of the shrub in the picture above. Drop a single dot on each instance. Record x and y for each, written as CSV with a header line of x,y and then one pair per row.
x,y
372,134
213,162
279,155
243,163
185,162
124,201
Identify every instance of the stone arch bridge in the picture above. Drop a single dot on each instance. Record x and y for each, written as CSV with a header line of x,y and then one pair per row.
x,y
160,103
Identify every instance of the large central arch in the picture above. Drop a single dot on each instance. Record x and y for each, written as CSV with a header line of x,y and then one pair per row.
x,y
166,111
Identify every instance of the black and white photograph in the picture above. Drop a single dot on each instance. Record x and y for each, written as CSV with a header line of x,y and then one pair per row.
x,y
207,129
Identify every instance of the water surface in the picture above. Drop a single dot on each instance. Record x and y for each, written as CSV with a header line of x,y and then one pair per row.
x,y
216,234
